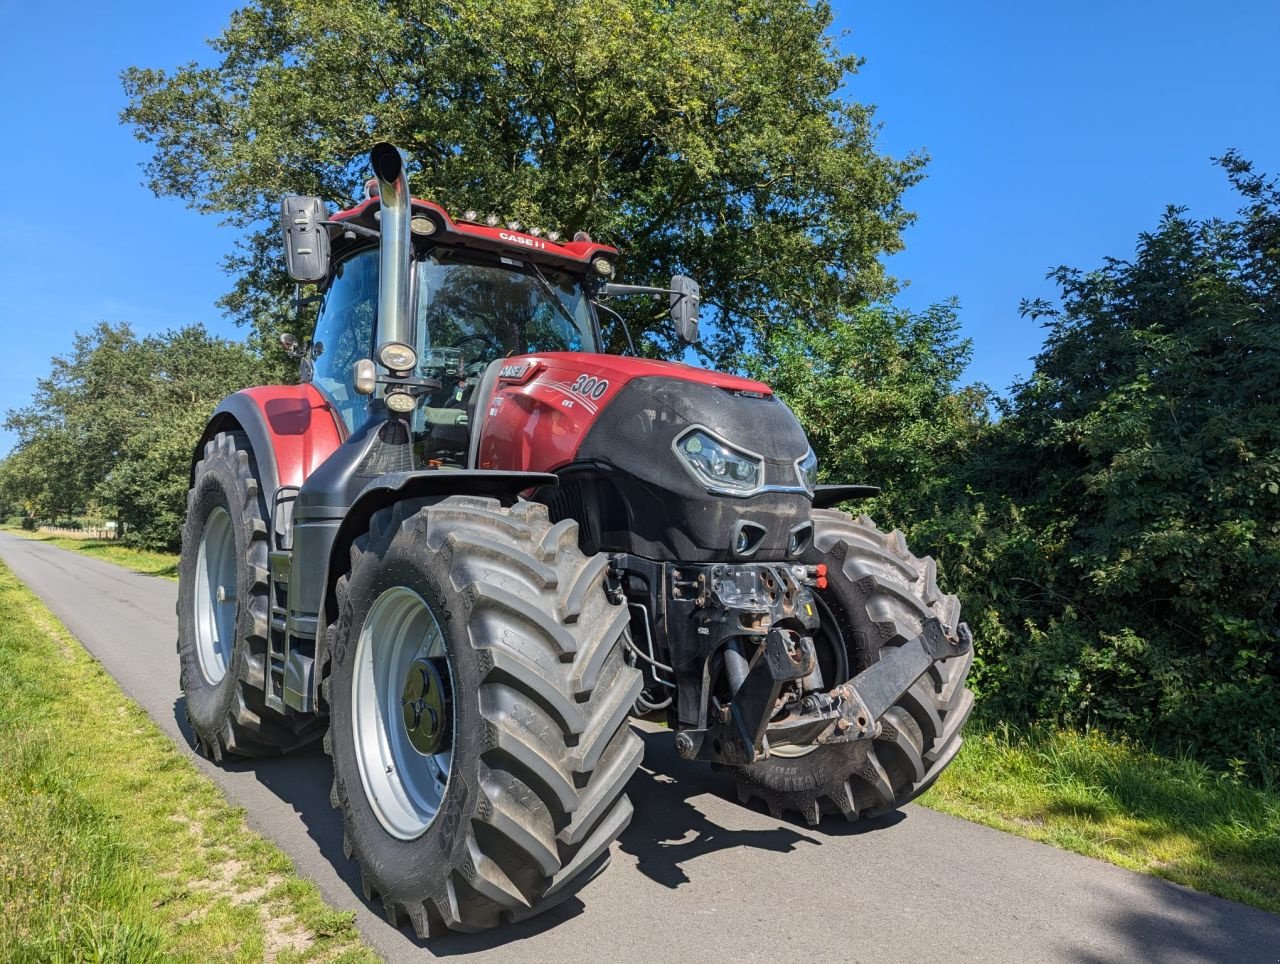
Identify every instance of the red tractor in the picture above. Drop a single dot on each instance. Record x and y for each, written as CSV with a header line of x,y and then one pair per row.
x,y
467,547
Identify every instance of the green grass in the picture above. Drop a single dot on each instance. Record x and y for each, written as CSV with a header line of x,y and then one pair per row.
x,y
113,846
139,560
1113,800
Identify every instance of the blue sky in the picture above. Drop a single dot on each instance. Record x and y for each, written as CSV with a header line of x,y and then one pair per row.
x,y
1056,134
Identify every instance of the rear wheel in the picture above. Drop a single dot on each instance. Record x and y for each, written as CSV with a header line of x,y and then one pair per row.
x,y
223,610
478,702
878,595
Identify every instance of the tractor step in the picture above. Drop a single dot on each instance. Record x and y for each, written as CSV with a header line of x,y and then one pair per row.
x,y
278,637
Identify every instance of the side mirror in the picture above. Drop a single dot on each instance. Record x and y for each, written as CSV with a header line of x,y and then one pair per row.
x,y
686,299
306,242
289,342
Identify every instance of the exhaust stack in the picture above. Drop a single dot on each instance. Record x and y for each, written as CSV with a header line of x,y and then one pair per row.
x,y
394,296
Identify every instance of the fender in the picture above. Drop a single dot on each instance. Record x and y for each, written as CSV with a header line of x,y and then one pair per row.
x,y
291,428
395,487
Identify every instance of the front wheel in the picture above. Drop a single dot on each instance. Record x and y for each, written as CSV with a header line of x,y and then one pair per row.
x,y
878,595
478,702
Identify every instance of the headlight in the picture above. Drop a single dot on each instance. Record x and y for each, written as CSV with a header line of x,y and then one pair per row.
x,y
807,470
397,357
718,465
401,402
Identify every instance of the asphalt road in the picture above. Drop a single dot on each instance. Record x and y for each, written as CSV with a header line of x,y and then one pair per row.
x,y
697,877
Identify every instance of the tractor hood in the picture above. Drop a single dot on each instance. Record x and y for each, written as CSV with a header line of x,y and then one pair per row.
x,y
623,369
638,444
652,456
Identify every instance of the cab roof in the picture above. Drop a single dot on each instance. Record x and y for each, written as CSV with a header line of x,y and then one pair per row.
x,y
469,234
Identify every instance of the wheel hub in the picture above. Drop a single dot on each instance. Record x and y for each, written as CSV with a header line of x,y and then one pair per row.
x,y
423,707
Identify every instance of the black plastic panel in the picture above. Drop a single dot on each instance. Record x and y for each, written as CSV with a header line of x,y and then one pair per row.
x,y
630,493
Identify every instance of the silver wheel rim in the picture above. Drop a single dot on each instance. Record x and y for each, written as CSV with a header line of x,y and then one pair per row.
x,y
400,643
216,596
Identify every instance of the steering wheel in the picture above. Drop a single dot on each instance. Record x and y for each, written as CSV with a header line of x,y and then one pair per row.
x,y
484,338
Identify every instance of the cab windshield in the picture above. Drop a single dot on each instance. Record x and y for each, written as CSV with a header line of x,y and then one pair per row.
x,y
472,309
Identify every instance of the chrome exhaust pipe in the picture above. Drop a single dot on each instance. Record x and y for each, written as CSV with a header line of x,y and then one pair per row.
x,y
394,296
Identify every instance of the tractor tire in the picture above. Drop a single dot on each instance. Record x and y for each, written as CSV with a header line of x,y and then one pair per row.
x,y
512,658
879,595
223,610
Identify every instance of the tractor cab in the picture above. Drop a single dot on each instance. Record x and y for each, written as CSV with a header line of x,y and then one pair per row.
x,y
480,293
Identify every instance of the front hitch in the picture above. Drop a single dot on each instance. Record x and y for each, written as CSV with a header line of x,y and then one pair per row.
x,y
852,710
754,623
846,713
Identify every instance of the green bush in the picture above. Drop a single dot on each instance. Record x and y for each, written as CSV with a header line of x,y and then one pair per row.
x,y
1116,538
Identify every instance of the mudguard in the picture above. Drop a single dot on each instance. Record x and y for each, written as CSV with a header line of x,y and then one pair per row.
x,y
292,429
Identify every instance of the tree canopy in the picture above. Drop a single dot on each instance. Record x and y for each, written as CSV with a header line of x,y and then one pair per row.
x,y
709,137
881,397
115,423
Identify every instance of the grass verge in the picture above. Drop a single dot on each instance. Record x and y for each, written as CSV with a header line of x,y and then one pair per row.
x,y
163,564
113,846
1173,818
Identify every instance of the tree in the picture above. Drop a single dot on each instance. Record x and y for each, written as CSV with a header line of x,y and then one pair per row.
x,y
27,486
1122,538
115,422
710,137
69,436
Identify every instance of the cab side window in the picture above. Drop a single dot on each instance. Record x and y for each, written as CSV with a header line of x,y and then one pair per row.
x,y
344,333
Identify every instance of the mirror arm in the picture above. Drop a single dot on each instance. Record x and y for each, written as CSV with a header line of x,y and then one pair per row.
x,y
613,289
623,322
354,228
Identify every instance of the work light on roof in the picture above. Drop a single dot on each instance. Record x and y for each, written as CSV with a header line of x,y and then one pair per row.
x,y
514,225
492,220
469,215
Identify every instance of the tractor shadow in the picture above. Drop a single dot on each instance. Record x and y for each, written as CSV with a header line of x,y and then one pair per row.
x,y
302,780
668,830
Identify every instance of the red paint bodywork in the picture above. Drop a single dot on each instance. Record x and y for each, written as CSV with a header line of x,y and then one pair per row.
x,y
304,428
537,422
